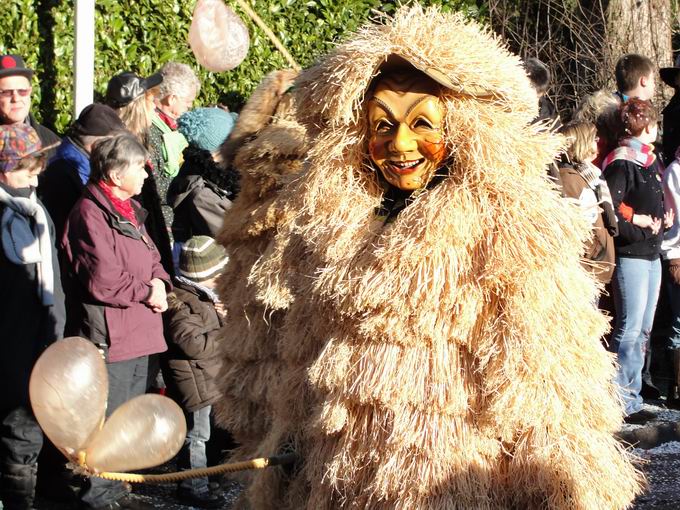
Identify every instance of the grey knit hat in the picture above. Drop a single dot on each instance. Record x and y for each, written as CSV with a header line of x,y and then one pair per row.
x,y
201,258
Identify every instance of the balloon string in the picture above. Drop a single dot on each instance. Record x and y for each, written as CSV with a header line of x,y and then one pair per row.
x,y
260,463
279,45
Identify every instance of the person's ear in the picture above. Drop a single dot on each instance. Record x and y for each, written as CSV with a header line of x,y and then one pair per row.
x,y
116,178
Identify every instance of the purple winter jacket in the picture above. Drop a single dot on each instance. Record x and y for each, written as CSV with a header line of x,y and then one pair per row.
x,y
112,262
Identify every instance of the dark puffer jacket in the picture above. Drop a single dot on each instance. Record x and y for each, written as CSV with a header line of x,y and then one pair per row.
x,y
192,362
200,195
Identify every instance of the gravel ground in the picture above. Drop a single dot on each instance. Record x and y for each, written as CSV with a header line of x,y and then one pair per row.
x,y
660,460
663,475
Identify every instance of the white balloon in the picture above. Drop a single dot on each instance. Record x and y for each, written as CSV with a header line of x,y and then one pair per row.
x,y
143,432
218,37
69,387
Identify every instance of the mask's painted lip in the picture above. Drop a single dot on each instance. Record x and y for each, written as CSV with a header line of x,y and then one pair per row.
x,y
399,170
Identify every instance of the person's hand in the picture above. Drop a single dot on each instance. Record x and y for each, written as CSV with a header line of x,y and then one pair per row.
x,y
158,299
219,308
669,218
642,220
655,226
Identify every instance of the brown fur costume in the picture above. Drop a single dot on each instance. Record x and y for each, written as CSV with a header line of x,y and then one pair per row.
x,y
450,359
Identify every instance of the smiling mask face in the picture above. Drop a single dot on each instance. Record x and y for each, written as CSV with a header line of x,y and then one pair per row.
x,y
406,119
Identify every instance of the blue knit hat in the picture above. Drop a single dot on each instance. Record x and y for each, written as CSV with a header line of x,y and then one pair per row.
x,y
206,128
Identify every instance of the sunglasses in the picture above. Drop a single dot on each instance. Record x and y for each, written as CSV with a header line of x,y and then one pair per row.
x,y
10,92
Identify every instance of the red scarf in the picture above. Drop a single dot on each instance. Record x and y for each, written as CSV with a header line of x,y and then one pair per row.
x,y
122,207
171,123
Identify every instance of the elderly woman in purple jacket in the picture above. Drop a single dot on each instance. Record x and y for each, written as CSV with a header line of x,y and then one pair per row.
x,y
120,282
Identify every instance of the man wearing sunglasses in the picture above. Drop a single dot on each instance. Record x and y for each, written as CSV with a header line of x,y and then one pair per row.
x,y
15,98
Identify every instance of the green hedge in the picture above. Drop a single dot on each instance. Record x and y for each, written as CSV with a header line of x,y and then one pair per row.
x,y
142,35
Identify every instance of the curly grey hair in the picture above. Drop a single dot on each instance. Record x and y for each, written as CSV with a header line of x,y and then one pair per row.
x,y
178,79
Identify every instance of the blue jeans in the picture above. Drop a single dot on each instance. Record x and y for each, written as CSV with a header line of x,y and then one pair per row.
x,y
127,379
635,287
192,455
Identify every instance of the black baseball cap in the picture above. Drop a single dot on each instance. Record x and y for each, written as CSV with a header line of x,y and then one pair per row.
x,y
126,87
14,65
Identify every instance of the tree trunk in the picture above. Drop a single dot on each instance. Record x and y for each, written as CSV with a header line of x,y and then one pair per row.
x,y
640,26
581,40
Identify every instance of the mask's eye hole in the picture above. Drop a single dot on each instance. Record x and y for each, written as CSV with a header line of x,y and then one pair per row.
x,y
383,126
422,122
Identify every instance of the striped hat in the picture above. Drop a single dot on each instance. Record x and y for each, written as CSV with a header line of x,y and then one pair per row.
x,y
201,258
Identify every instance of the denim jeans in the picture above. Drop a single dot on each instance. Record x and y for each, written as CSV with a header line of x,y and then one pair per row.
x,y
635,287
127,379
192,455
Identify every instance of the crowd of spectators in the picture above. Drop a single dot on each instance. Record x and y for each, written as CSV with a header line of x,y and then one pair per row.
x,y
613,168
87,250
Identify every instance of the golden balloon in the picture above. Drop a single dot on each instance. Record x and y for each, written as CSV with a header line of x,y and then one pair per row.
x,y
68,389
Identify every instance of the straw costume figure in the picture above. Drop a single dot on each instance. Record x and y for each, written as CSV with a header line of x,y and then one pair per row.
x,y
435,343
267,146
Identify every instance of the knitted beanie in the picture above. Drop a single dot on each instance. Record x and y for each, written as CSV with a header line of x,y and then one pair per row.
x,y
206,128
201,258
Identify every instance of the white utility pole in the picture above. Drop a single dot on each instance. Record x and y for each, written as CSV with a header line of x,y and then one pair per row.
x,y
83,56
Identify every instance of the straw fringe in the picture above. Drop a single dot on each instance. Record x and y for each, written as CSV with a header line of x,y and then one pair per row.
x,y
450,359
266,146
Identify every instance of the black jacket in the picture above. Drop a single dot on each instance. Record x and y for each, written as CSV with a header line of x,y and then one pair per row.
x,y
671,128
61,186
27,327
641,189
199,207
46,135
200,195
192,362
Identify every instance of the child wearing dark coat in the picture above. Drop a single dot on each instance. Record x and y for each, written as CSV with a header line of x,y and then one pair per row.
x,y
192,362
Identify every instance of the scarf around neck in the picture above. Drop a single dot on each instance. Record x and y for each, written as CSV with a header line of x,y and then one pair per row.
x,y
593,177
632,149
122,207
209,293
26,239
169,121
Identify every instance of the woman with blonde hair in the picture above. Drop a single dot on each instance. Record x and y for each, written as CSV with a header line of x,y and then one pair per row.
x,y
582,181
133,99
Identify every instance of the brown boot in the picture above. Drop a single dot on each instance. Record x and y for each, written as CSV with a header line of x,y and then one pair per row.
x,y
673,400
